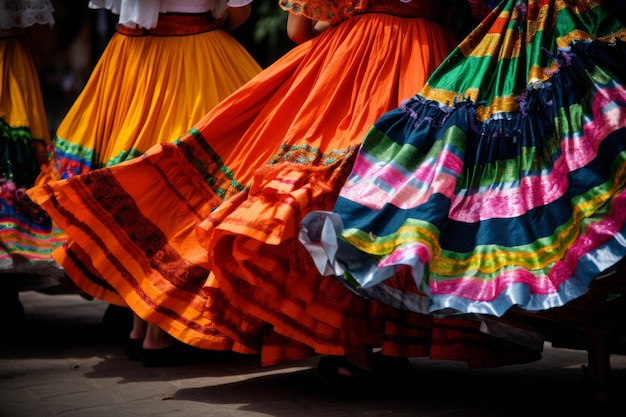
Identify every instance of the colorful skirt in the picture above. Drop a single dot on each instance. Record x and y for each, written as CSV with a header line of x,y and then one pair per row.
x,y
201,236
497,192
149,87
27,235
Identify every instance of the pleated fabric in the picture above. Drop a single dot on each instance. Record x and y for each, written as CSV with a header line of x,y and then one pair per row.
x,y
147,89
27,235
200,236
499,193
314,122
135,227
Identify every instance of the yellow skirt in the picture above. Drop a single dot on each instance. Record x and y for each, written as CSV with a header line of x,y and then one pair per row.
x,y
21,101
146,90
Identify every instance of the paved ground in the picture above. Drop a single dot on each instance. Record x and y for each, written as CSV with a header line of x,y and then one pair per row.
x,y
64,363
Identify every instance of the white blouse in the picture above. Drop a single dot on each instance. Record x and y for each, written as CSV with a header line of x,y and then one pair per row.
x,y
25,13
145,13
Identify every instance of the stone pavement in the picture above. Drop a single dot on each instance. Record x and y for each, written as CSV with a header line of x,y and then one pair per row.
x,y
64,363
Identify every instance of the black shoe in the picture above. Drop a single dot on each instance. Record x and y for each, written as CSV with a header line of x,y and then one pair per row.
x,y
134,349
117,322
175,354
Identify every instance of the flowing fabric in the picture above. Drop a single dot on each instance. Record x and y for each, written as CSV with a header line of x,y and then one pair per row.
x,y
200,236
501,192
27,234
149,88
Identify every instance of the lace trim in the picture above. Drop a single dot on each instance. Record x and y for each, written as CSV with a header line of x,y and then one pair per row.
x,y
25,13
322,10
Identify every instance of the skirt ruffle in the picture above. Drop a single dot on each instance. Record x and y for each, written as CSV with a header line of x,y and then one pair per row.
x,y
493,197
200,236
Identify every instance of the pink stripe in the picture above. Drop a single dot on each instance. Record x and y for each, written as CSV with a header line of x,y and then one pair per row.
x,y
477,289
404,195
532,192
542,190
411,251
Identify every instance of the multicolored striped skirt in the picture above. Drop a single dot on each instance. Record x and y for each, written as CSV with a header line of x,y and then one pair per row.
x,y
501,185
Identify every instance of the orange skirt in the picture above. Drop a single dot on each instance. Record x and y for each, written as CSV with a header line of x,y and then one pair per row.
x,y
201,237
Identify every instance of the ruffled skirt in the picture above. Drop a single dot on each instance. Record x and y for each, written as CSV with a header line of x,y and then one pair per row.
x,y
200,237
145,90
27,235
499,193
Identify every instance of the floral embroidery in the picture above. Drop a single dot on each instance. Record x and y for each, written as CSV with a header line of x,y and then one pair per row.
x,y
333,11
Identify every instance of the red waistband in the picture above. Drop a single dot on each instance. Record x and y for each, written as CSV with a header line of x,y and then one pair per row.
x,y
176,24
430,10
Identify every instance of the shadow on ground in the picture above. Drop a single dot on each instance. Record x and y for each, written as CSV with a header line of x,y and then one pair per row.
x,y
68,336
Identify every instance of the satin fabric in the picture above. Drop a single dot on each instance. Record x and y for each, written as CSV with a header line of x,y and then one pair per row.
x,y
200,236
142,231
500,193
